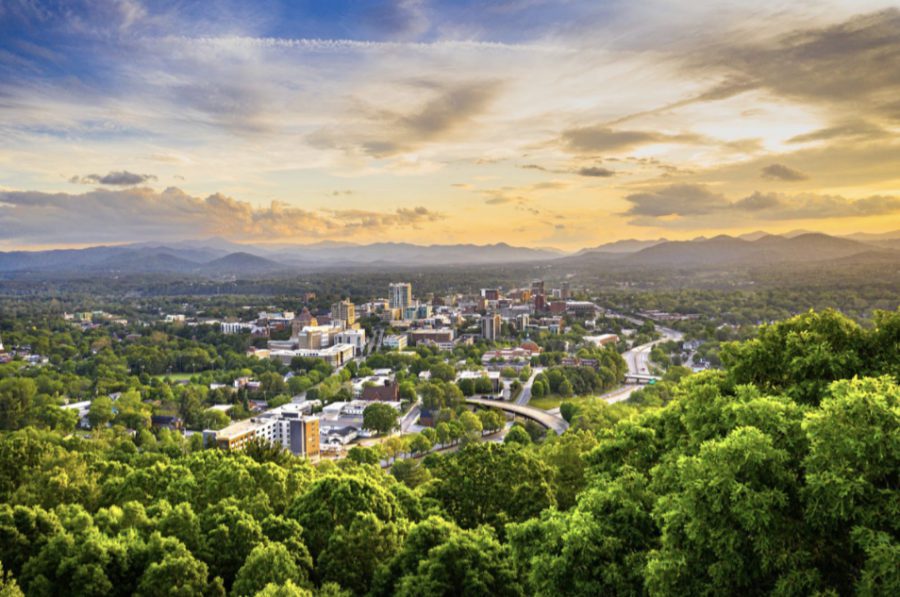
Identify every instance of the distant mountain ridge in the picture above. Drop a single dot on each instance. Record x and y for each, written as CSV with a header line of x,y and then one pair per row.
x,y
216,256
761,250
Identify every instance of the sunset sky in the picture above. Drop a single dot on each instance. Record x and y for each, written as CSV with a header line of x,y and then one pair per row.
x,y
539,123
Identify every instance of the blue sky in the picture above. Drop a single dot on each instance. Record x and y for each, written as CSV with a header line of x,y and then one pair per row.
x,y
565,123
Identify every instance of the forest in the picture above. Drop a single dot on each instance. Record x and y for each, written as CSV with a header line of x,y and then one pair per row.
x,y
775,475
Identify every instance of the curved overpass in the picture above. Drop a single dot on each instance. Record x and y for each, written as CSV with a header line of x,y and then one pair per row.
x,y
551,422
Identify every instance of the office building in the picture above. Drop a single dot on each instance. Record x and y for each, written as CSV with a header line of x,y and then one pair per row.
x,y
344,311
355,338
490,327
291,431
400,295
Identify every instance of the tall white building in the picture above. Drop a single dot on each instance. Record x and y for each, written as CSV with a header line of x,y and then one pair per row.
x,y
490,326
400,295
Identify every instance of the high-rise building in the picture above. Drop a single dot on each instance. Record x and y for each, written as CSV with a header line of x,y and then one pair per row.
x,y
400,295
490,327
291,431
537,287
566,291
344,311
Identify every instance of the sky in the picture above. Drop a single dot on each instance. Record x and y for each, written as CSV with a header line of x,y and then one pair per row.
x,y
539,123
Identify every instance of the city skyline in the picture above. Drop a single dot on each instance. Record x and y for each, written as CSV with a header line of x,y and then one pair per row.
x,y
565,124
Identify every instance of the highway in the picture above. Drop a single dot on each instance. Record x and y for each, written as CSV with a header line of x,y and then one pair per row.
x,y
551,422
638,361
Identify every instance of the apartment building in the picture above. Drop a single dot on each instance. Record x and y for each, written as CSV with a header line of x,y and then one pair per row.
x,y
400,295
299,434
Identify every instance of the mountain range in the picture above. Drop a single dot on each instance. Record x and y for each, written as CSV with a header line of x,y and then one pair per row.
x,y
220,257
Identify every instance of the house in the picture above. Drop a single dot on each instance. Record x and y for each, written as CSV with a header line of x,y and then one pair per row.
x,y
82,408
340,436
169,422
388,392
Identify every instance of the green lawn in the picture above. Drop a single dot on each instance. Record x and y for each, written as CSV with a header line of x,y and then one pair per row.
x,y
174,376
546,402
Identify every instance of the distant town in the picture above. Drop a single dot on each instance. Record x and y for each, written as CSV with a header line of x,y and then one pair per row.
x,y
402,365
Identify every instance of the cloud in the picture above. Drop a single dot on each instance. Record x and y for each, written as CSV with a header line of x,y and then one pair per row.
x,y
695,205
596,171
855,129
402,217
519,195
782,172
602,139
852,63
143,214
757,201
384,133
122,178
675,200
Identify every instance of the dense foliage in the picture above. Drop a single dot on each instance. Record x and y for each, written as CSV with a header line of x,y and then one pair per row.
x,y
777,475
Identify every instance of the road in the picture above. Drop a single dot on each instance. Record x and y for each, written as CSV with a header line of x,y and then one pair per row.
x,y
638,361
525,396
552,422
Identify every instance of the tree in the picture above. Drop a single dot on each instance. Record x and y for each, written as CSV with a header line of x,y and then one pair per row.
x,y
517,435
132,412
230,534
599,548
380,417
443,371
267,563
288,589
568,410
491,420
354,552
851,472
177,572
443,433
799,356
471,425
100,412
407,391
334,501
729,522
419,444
363,455
271,384
8,585
467,563
410,472
16,396
487,483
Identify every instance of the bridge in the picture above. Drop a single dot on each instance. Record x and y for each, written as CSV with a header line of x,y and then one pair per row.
x,y
642,379
551,422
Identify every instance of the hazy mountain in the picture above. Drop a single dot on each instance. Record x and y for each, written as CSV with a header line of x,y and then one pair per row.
x,y
193,258
630,245
874,236
409,254
758,249
147,261
723,250
241,263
